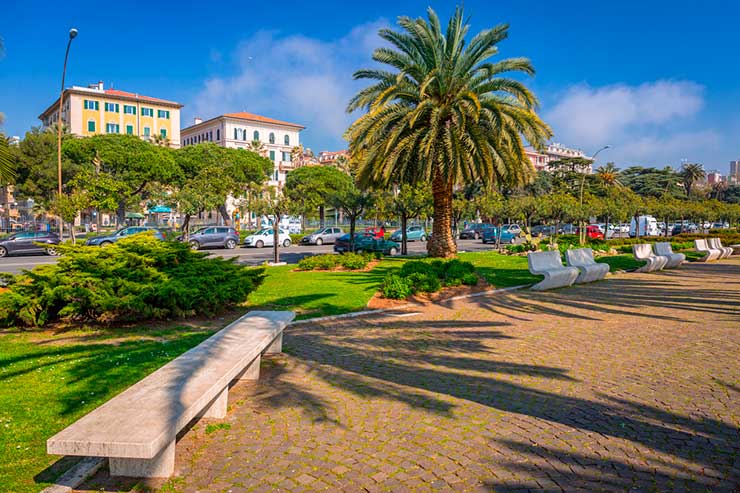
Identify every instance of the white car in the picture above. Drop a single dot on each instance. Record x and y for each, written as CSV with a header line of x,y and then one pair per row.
x,y
265,237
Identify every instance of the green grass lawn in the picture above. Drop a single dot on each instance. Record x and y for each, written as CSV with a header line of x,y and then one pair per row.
x,y
48,381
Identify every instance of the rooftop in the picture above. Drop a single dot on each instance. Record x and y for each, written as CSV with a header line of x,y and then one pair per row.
x,y
243,115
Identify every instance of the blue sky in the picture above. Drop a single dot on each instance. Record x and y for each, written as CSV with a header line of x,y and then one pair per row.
x,y
659,81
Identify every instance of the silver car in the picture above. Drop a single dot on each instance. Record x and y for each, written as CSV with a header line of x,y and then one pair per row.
x,y
324,235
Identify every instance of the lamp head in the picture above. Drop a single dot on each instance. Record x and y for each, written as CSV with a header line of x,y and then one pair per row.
x,y
72,33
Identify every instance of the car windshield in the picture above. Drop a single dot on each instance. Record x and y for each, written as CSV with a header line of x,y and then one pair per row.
x,y
263,232
199,231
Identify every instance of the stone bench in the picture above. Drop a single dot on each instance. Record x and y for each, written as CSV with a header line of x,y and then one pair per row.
x,y
136,430
710,253
644,253
583,260
550,265
716,244
664,249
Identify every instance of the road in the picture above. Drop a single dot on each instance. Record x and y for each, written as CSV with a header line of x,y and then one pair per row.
x,y
249,256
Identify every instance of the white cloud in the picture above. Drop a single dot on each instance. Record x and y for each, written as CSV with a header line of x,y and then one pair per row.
x,y
638,121
295,78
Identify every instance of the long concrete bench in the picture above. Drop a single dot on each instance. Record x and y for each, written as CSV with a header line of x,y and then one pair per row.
x,y
716,243
583,260
550,265
664,249
136,430
710,253
644,253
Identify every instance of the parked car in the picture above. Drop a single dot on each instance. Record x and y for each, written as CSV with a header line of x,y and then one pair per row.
x,y
644,226
29,242
567,229
509,233
123,233
474,231
593,231
413,233
366,243
265,237
684,228
377,233
213,236
324,235
543,229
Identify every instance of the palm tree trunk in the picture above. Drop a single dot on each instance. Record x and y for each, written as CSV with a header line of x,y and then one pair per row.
x,y
442,243
404,239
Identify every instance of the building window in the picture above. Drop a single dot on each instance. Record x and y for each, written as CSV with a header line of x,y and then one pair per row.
x,y
112,107
129,110
218,134
286,157
163,114
256,135
147,132
276,175
91,105
147,112
163,132
91,126
210,135
129,130
112,128
272,155
235,133
287,140
272,138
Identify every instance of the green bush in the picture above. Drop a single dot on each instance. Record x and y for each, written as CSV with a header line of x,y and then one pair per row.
x,y
470,279
395,287
424,283
136,278
350,261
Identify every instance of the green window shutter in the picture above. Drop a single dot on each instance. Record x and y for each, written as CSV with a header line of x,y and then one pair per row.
x,y
272,155
130,129
91,126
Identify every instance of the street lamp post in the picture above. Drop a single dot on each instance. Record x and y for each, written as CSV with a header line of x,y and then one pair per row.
x,y
72,35
583,182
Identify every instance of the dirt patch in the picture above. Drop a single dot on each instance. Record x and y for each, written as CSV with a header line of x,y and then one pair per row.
x,y
378,302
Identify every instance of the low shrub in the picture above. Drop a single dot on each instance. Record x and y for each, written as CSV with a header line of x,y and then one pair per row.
x,y
395,287
427,276
350,261
136,278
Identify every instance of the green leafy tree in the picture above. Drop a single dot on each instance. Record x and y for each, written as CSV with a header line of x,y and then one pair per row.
x,y
68,206
7,160
442,114
312,186
132,162
569,175
353,202
276,205
526,208
557,208
651,182
409,202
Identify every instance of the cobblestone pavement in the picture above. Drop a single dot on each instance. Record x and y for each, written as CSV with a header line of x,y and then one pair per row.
x,y
628,384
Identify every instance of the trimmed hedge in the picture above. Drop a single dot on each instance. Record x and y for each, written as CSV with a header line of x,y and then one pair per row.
x,y
137,278
427,276
349,261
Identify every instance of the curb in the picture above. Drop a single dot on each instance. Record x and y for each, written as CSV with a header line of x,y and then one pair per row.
x,y
76,475
381,311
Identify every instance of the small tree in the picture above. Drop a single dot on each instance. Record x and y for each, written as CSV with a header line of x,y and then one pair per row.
x,y
353,202
410,202
273,203
68,206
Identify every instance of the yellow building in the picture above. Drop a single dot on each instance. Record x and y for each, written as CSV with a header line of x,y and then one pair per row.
x,y
95,110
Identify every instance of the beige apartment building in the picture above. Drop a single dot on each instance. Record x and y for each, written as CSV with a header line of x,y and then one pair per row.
x,y
94,110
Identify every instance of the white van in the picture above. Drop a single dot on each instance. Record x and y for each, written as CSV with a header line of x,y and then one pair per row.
x,y
648,226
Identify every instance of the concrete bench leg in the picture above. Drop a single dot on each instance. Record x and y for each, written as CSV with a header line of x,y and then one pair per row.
x,y
160,466
276,346
217,408
252,372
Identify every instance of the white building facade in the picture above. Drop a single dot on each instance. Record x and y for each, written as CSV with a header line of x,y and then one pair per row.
x,y
239,130
554,152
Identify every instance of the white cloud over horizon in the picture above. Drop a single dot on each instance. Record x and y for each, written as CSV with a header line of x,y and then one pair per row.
x,y
651,124
295,78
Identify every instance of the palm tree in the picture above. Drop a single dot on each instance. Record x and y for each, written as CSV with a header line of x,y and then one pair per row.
x,y
258,147
7,163
690,174
442,114
608,175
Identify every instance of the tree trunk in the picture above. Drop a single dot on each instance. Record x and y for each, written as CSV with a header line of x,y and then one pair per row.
x,y
121,213
606,229
186,227
275,240
322,215
442,243
72,232
224,214
352,220
404,239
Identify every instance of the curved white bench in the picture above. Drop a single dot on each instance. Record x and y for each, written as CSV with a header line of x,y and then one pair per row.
x,y
548,264
716,244
137,429
664,249
644,252
710,254
583,260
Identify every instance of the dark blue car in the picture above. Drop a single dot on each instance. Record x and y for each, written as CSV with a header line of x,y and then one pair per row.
x,y
123,233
